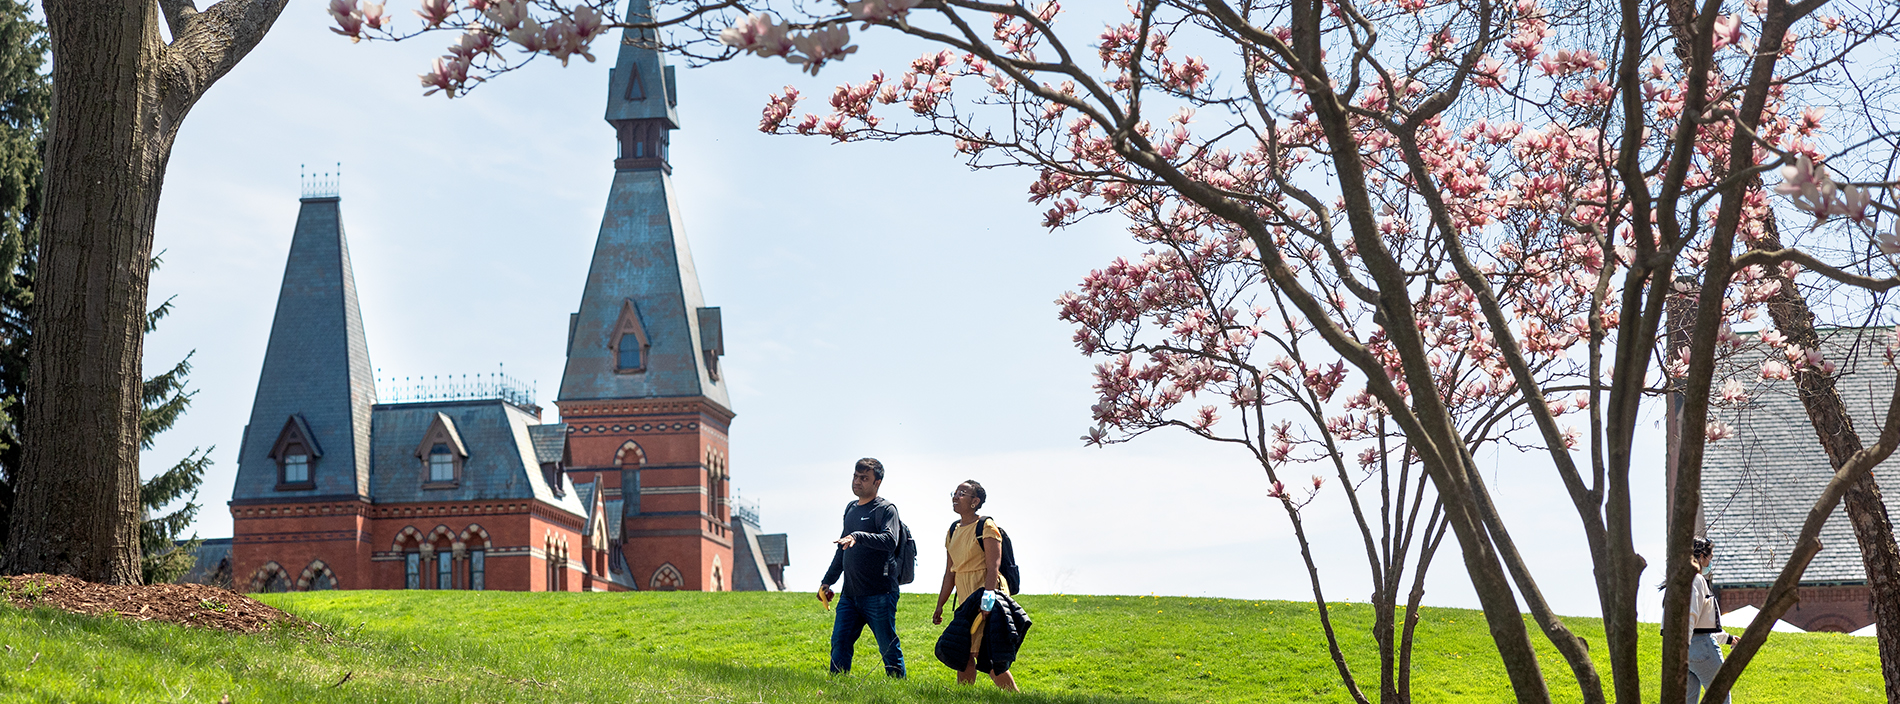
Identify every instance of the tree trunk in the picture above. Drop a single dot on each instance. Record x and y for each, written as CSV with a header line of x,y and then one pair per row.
x,y
119,94
1865,511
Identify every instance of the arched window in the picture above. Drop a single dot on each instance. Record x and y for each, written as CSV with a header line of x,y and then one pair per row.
x,y
316,578
412,570
476,541
477,569
667,578
270,578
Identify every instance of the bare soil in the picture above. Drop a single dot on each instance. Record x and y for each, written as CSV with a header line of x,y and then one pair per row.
x,y
196,605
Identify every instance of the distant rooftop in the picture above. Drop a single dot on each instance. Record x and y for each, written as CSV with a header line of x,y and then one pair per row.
x,y
457,387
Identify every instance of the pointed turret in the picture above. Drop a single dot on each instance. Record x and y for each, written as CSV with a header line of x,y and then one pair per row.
x,y
309,430
641,396
643,330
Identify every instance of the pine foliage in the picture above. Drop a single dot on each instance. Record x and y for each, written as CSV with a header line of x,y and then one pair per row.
x,y
25,99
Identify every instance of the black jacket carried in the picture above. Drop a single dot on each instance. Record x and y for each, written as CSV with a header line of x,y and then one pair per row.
x,y
1002,635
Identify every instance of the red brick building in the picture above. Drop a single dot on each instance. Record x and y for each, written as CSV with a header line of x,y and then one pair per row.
x,y
468,487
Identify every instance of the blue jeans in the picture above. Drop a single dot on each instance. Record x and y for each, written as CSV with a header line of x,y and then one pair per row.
x,y
1705,659
854,613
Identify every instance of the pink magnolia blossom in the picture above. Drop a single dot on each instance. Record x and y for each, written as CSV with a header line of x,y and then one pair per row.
x,y
1732,392
529,35
822,45
1728,31
349,20
880,10
373,15
508,14
1888,240
1719,431
758,33
1772,369
435,12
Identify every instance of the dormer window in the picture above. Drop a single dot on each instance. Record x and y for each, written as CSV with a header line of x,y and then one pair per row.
x,y
296,454
628,340
441,454
296,466
441,464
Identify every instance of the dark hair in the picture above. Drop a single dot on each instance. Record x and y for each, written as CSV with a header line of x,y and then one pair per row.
x,y
976,490
1701,547
871,465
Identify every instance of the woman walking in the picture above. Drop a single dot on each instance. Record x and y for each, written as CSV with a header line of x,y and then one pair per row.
x,y
1705,624
975,547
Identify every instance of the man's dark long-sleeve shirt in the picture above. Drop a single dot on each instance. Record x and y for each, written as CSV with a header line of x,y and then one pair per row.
x,y
867,567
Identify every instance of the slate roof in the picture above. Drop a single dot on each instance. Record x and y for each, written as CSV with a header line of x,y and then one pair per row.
x,y
501,462
642,256
613,518
1757,487
316,364
772,547
550,441
584,493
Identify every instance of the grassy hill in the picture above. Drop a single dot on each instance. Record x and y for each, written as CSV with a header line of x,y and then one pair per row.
x,y
754,647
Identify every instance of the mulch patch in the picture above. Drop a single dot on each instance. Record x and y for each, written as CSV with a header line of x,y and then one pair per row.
x,y
197,605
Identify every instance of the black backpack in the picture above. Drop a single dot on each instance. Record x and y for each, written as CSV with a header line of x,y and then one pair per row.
x,y
906,555
1008,568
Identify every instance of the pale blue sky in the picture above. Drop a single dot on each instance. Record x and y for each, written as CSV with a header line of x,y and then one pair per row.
x,y
878,300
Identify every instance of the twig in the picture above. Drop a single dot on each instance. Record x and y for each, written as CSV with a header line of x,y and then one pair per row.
x,y
346,678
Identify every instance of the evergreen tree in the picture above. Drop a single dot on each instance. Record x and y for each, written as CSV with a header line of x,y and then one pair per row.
x,y
161,557
25,98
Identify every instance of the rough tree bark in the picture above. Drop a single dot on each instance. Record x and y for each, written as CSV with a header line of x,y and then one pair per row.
x,y
120,93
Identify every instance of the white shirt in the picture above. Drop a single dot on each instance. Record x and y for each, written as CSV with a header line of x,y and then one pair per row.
x,y
1704,611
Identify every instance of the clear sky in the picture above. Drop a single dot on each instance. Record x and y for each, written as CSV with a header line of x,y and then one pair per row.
x,y
879,300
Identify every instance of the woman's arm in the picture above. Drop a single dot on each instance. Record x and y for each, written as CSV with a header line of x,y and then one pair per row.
x,y
992,562
943,593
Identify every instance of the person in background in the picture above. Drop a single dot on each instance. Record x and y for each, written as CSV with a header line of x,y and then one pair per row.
x,y
973,566
1705,624
866,558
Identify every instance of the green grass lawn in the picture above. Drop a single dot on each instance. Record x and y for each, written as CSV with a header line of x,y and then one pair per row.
x,y
752,647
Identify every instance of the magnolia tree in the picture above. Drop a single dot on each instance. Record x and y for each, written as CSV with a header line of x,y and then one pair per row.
x,y
1385,233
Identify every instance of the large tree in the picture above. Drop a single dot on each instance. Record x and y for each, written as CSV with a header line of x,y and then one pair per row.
x,y
120,93
1460,221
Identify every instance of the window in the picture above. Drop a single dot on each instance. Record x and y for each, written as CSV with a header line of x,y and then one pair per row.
x,y
324,581
296,467
412,570
440,455
627,353
296,455
444,571
475,570
628,340
441,464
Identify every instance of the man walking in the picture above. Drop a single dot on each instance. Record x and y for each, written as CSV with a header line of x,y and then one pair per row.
x,y
866,557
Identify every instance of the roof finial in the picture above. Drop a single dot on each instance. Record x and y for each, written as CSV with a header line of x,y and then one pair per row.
x,y
324,185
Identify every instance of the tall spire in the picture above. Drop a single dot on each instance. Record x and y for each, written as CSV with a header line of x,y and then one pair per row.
x,y
314,394
643,330
641,97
